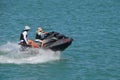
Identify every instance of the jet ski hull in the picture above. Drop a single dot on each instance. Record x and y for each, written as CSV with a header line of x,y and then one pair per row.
x,y
61,45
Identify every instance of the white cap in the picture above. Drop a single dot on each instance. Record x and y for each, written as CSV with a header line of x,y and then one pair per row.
x,y
27,28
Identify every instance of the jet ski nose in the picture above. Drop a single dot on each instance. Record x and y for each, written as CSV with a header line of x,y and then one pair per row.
x,y
71,39
68,40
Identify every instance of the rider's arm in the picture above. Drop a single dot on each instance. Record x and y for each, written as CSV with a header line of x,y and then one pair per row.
x,y
44,32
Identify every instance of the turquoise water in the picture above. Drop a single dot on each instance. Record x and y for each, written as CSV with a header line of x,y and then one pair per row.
x,y
93,24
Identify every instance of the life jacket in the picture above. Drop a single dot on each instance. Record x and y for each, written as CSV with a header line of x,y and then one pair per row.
x,y
22,36
39,36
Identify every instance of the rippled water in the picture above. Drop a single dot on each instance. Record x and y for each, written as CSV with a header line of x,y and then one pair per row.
x,y
93,24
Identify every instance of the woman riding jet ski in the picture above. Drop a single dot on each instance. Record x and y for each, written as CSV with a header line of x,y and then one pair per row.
x,y
51,40
40,36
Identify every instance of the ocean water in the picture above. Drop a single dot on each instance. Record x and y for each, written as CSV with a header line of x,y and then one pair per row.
x,y
93,24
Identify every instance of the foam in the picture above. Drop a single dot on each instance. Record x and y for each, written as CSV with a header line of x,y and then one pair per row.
x,y
11,53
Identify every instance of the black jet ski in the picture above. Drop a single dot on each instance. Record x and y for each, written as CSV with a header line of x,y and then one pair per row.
x,y
55,41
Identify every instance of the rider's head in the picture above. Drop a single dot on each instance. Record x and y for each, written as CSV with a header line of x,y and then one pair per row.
x,y
27,28
39,29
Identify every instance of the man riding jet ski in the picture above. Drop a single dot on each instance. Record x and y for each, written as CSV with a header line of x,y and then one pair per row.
x,y
51,40
27,42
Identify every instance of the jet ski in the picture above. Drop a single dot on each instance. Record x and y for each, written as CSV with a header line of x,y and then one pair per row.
x,y
54,41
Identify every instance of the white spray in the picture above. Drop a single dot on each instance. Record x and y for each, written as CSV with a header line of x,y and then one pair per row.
x,y
11,53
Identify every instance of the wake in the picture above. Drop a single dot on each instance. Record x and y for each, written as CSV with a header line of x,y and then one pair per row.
x,y
11,53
